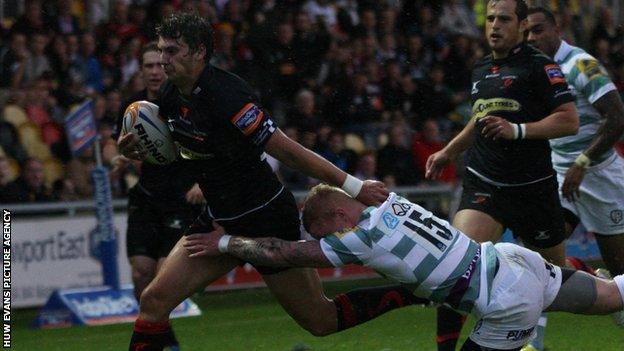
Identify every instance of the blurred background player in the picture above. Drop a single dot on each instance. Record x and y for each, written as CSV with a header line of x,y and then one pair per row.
x,y
589,171
407,243
520,100
164,201
219,127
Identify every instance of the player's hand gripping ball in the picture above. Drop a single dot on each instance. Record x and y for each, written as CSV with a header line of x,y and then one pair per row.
x,y
142,119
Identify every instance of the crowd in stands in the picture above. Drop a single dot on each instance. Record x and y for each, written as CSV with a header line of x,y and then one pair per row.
x,y
373,86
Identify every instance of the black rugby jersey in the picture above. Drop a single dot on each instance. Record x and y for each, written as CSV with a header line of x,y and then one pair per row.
x,y
524,87
221,128
166,182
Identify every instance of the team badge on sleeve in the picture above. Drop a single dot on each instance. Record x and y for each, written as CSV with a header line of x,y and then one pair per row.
x,y
554,73
248,118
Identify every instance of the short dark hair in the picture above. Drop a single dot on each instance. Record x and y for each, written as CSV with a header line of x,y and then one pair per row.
x,y
193,29
522,9
151,46
550,17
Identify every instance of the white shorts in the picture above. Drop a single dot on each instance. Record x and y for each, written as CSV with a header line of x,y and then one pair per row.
x,y
523,287
600,206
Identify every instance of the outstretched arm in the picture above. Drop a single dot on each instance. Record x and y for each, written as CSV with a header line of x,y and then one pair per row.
x,y
296,156
270,252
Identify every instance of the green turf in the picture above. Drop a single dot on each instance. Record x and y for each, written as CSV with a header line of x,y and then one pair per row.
x,y
251,320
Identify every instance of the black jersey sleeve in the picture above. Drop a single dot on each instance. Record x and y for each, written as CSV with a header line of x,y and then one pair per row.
x,y
550,82
237,102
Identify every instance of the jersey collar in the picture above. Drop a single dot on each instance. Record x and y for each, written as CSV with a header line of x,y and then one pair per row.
x,y
204,78
515,51
562,53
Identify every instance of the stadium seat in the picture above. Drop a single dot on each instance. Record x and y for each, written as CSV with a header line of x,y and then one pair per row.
x,y
355,143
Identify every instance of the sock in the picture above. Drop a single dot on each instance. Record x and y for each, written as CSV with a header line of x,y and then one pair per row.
x,y
538,341
148,336
579,265
361,305
449,327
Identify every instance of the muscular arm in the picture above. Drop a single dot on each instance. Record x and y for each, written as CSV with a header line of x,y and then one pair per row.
x,y
563,121
275,252
295,156
611,109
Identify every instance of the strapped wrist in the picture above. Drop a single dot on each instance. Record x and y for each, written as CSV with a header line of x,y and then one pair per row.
x,y
223,243
582,161
352,186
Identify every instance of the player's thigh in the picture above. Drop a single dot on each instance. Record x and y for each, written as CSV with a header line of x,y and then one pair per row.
x,y
612,250
180,276
583,293
143,267
478,215
300,292
534,213
478,225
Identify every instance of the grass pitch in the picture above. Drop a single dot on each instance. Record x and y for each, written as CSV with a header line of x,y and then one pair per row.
x,y
252,321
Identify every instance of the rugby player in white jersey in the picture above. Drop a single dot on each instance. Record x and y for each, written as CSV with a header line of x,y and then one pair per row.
x,y
589,171
506,287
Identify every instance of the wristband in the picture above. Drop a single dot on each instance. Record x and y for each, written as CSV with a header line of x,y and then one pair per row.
x,y
519,131
583,161
223,243
352,186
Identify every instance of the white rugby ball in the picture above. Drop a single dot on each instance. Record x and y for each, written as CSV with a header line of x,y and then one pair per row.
x,y
142,119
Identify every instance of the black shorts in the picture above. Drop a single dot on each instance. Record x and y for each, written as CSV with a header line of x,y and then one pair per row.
x,y
532,212
155,225
279,218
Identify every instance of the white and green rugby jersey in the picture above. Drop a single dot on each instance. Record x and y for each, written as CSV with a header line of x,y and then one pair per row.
x,y
406,243
589,81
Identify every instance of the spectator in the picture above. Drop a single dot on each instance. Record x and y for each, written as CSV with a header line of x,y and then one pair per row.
x,y
90,69
426,143
32,20
64,22
457,18
336,153
13,62
37,61
367,166
305,117
79,174
396,160
5,172
29,187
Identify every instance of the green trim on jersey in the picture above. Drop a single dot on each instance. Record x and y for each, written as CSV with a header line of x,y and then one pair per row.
x,y
403,247
344,254
440,294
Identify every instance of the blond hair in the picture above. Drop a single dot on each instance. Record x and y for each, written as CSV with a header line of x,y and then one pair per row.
x,y
320,203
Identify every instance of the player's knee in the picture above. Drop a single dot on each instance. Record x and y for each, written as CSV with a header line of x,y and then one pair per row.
x,y
152,300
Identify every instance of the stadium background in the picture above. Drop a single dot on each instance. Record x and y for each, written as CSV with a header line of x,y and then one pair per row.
x,y
373,86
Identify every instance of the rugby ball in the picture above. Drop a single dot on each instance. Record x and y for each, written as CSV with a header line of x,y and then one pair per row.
x,y
142,119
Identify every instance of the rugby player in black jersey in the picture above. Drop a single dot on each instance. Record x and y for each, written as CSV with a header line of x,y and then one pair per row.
x,y
219,126
520,100
164,202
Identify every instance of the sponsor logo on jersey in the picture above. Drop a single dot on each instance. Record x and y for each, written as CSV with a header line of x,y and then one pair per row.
x,y
484,107
516,335
248,118
189,154
475,90
390,220
616,216
554,73
542,235
591,68
400,209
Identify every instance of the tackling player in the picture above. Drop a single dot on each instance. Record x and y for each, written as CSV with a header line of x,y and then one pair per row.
x,y
406,243
520,100
219,126
164,201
